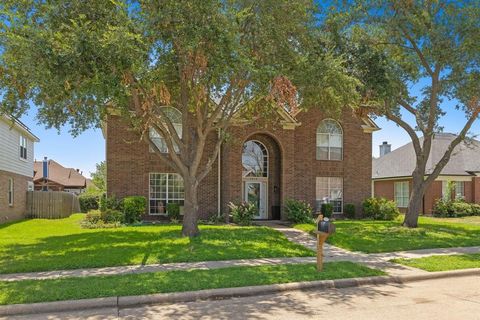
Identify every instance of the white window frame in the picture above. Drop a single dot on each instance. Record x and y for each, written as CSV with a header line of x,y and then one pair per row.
x,y
23,148
167,198
402,193
329,137
157,138
329,189
11,192
459,186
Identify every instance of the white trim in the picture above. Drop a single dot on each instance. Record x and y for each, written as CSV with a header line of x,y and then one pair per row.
x,y
166,193
11,192
329,139
407,183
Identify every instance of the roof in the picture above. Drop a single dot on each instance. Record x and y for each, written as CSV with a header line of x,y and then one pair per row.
x,y
401,162
19,125
67,177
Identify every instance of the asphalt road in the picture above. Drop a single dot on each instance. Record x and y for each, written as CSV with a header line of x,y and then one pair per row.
x,y
453,298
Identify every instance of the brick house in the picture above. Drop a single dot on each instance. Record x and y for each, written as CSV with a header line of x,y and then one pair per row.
x,y
308,157
16,167
391,175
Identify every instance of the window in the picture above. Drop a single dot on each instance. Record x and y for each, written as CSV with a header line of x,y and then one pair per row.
x,y
330,190
402,194
175,118
329,140
23,147
165,188
10,192
254,159
450,188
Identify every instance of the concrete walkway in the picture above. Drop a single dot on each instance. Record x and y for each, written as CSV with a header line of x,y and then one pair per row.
x,y
331,253
376,260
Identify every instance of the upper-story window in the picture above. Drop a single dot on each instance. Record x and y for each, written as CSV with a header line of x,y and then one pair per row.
x,y
23,147
329,140
175,117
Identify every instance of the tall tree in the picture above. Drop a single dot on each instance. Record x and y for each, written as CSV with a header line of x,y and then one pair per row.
x,y
432,44
99,177
211,60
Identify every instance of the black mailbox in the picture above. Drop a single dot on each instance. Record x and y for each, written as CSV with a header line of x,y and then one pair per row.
x,y
326,226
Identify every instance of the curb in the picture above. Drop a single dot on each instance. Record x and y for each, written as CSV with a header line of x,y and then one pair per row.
x,y
223,293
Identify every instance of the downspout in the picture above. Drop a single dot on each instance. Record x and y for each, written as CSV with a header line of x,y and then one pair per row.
x,y
219,178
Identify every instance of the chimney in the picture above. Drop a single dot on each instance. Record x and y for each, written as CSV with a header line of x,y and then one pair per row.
x,y
45,168
385,148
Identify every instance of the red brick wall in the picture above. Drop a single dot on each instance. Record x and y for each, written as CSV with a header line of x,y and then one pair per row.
x,y
476,190
20,184
293,166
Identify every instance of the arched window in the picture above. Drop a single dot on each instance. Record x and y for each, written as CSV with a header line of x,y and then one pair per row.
x,y
254,159
175,117
329,140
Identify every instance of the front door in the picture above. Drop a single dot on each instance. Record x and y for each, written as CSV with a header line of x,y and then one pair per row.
x,y
255,192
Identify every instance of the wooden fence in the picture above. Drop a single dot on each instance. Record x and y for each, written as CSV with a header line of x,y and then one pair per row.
x,y
51,204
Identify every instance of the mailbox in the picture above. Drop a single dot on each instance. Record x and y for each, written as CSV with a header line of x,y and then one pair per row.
x,y
326,226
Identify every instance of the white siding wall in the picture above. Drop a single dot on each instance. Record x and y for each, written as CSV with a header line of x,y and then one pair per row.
x,y
9,150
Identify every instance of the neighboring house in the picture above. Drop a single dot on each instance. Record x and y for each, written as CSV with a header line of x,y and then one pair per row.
x,y
52,176
392,172
16,167
308,157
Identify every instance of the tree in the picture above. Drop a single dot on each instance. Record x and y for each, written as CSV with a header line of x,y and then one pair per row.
x,y
99,177
435,45
79,61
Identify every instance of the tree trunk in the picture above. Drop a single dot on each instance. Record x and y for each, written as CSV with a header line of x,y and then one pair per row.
x,y
190,215
415,202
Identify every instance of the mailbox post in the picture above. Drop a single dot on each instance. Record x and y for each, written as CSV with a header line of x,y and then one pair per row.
x,y
324,229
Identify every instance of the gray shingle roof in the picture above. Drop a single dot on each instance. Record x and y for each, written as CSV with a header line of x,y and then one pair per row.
x,y
401,162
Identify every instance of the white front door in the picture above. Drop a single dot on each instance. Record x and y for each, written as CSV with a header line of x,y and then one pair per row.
x,y
256,192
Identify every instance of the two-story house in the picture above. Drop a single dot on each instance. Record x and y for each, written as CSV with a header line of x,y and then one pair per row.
x,y
16,167
308,157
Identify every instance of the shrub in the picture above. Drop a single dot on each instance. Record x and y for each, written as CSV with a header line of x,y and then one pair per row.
x,y
380,209
113,216
443,209
349,211
326,210
476,209
462,209
243,213
88,202
298,211
173,211
457,208
134,207
111,202
93,217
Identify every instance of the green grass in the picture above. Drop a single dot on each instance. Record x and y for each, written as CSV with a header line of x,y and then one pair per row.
x,y
30,291
40,245
443,263
389,236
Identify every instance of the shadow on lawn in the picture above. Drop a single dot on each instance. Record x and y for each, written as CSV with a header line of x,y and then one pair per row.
x,y
126,246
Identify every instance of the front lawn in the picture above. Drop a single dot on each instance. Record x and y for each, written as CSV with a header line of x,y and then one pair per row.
x,y
443,263
388,236
30,291
41,245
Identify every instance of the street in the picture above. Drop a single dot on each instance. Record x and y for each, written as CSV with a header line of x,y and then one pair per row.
x,y
453,298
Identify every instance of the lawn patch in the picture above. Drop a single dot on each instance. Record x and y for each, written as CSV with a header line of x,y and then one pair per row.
x,y
443,262
41,245
388,236
30,291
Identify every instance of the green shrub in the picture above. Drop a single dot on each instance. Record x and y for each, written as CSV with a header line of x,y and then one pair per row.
x,y
349,211
457,208
173,211
380,209
134,207
111,202
88,202
243,213
93,216
298,211
462,209
326,209
113,216
443,208
476,209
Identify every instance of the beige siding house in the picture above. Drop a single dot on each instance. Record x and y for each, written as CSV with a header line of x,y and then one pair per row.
x,y
16,167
